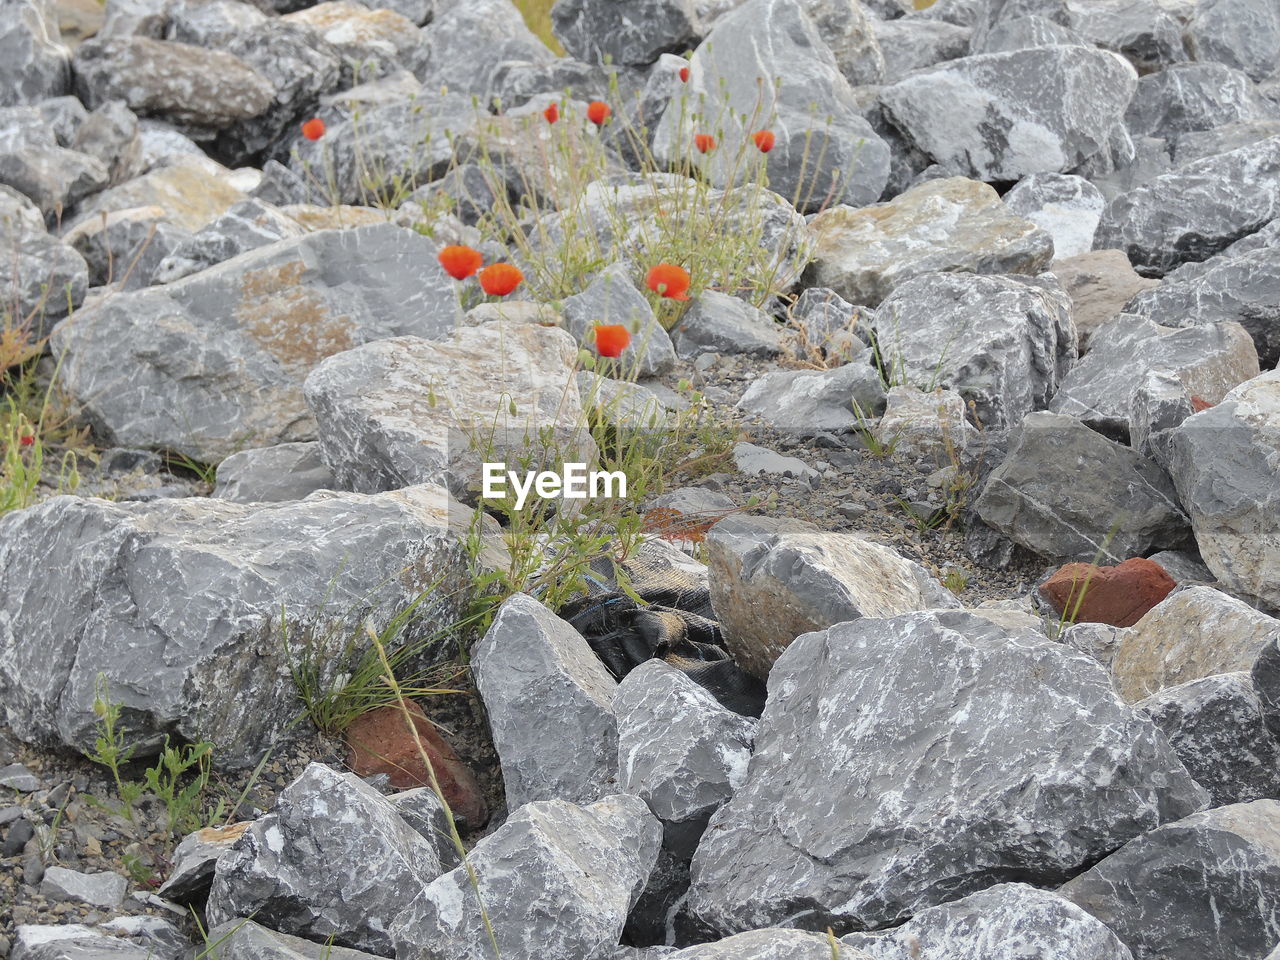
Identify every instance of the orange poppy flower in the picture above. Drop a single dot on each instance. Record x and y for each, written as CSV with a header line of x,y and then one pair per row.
x,y
313,129
611,339
669,281
684,74
460,262
500,279
552,113
764,140
598,112
705,142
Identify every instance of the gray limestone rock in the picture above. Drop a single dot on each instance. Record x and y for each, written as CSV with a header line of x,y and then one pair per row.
x,y
248,225
556,880
625,32
223,353
1225,463
123,248
1189,97
1196,210
904,762
1208,360
1097,640
824,152
612,298
771,944
35,163
34,64
75,941
112,135
753,460
816,401
1159,403
1216,727
422,810
1244,34
195,860
1240,284
401,411
1067,207
1024,33
105,890
910,44
678,750
846,28
1204,888
718,323
1100,284
288,471
174,81
1002,116
241,939
771,582
1199,144
374,42
43,278
1066,492
1006,917
332,859
953,225
329,562
470,39
550,706
925,426
1005,344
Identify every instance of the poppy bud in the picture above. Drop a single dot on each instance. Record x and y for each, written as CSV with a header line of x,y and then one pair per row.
x,y
764,140
705,142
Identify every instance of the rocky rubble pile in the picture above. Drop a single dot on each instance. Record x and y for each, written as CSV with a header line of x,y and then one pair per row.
x,y
1024,252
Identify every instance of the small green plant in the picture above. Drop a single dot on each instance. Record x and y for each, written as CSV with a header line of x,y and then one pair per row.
x,y
184,804
870,436
956,580
206,473
138,869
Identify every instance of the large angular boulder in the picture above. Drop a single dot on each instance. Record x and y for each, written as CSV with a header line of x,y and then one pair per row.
x,y
1014,916
625,33
719,323
177,82
1196,210
1066,492
612,299
773,580
1216,727
1193,633
849,31
1002,116
1003,343
332,860
42,167
222,355
824,152
470,40
814,401
242,939
287,471
555,880
247,225
678,750
191,190
550,706
407,410
953,225
328,562
1242,284
1189,97
1066,206
35,65
43,278
1204,888
1240,33
904,762
772,944
381,40
1207,359
1225,463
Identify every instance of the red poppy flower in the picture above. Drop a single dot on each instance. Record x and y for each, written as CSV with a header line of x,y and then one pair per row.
x,y
26,440
611,339
313,129
764,140
705,142
500,279
684,74
552,113
669,281
598,112
460,262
